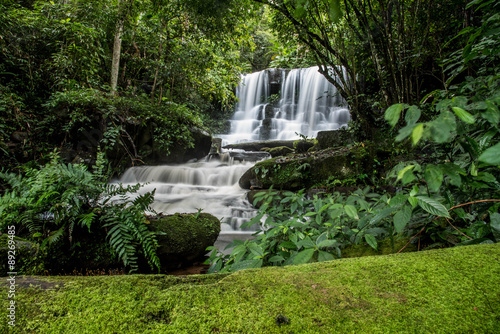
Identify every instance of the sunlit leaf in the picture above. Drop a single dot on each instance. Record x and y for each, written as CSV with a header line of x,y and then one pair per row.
x,y
392,114
464,115
417,133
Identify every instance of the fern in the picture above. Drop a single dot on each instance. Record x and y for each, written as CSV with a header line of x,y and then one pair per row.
x,y
51,200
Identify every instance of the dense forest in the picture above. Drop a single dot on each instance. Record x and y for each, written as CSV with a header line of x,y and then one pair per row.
x,y
83,83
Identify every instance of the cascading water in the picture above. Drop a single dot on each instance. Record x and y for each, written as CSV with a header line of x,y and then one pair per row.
x,y
211,186
308,104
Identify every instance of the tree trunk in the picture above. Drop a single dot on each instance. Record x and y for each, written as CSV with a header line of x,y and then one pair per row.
x,y
115,65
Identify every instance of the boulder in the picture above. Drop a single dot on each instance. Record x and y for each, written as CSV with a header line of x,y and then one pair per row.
x,y
309,169
183,238
334,138
303,145
278,151
259,145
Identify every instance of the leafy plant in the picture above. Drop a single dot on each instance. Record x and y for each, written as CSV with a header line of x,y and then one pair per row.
x,y
49,203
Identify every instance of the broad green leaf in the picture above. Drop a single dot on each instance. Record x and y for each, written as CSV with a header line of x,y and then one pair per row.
x,y
255,249
464,115
382,214
417,133
432,206
370,239
442,127
401,218
307,243
405,132
351,211
325,256
303,256
398,200
491,155
276,258
412,115
327,243
288,245
392,114
434,177
413,201
402,172
246,264
334,11
495,225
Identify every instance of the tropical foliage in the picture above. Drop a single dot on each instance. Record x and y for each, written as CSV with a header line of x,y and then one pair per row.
x,y
51,204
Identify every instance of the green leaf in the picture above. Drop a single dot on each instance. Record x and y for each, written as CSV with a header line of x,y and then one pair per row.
x,y
401,218
392,114
247,264
417,133
491,155
276,258
325,256
304,256
413,201
432,206
495,225
464,115
434,177
405,132
307,243
255,249
412,115
335,12
442,127
287,245
351,211
402,172
370,239
327,243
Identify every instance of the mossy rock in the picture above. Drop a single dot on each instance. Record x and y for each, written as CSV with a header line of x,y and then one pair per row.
x,y
183,238
299,171
278,151
302,146
334,138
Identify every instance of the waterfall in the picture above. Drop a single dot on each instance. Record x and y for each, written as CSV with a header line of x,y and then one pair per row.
x,y
207,185
308,104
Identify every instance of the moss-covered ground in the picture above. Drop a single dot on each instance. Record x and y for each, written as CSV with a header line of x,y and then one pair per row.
x,y
453,290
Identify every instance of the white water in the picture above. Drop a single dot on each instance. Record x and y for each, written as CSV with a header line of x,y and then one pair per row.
x,y
309,104
209,186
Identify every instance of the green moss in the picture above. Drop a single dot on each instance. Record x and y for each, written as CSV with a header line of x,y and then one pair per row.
x,y
441,291
182,238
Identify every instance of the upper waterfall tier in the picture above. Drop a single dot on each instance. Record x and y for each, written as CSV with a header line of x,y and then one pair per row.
x,y
307,103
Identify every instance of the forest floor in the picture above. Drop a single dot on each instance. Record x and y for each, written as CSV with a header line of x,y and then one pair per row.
x,y
454,290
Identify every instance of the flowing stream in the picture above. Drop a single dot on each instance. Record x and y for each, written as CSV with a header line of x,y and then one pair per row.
x,y
308,104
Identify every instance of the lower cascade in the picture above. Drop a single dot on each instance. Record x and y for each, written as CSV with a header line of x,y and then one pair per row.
x,y
206,186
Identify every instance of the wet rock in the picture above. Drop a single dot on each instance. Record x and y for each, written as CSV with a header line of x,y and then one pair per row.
x,y
278,151
334,138
259,145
